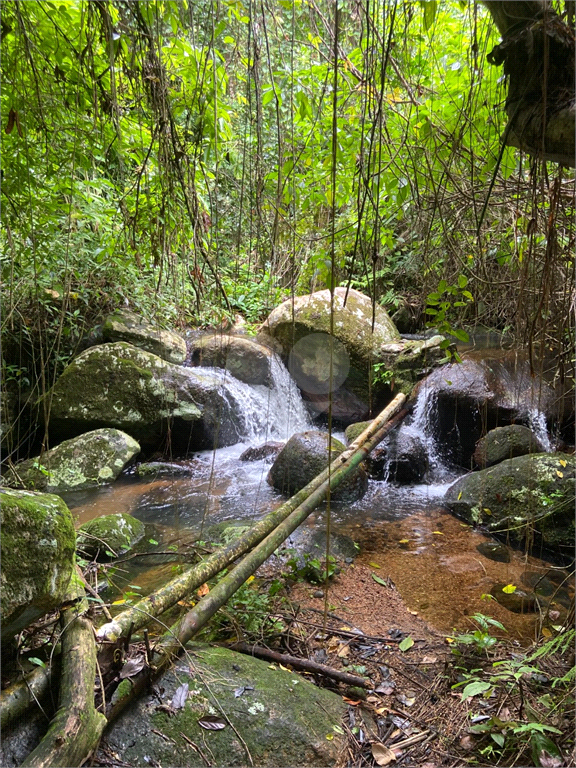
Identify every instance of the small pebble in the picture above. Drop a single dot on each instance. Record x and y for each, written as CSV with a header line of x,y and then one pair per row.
x,y
318,593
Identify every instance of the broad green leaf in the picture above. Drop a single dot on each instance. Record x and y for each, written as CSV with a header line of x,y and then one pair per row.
x,y
406,644
475,688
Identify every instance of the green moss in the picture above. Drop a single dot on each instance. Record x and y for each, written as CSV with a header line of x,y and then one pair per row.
x,y
37,550
116,533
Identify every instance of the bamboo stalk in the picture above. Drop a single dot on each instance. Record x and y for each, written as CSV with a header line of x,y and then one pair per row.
x,y
185,628
160,601
76,728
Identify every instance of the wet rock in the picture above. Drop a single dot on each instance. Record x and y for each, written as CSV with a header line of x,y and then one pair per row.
x,y
542,585
118,385
282,718
377,462
505,443
243,358
346,407
407,457
116,534
518,601
37,549
163,468
468,399
532,493
494,550
264,451
94,458
303,457
123,325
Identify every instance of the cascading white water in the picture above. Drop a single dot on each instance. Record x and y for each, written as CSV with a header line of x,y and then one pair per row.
x,y
421,426
264,413
537,423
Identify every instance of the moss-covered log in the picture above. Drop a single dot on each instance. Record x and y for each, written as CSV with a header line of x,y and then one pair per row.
x,y
76,728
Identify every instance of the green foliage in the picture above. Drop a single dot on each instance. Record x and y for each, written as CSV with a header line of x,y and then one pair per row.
x,y
249,612
481,639
315,570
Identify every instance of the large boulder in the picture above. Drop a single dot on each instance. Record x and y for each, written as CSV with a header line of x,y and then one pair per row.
x,y
94,458
302,327
243,358
303,457
505,443
273,717
116,534
123,325
520,496
465,400
118,385
37,549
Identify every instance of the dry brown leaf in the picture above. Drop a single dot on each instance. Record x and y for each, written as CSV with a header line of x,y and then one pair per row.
x,y
549,761
344,651
467,743
429,660
203,590
382,755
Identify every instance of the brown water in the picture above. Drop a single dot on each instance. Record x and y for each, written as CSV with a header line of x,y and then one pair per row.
x,y
430,555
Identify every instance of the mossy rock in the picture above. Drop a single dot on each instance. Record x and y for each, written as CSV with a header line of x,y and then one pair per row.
x,y
37,550
283,719
243,358
116,534
118,385
293,320
506,443
355,430
163,469
531,493
123,325
304,456
94,458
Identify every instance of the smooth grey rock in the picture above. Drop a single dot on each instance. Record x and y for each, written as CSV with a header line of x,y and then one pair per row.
x,y
124,325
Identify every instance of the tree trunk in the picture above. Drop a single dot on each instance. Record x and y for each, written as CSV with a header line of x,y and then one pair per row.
x,y
77,726
537,51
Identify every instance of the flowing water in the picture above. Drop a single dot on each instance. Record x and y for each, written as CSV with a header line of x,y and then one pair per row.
x,y
430,555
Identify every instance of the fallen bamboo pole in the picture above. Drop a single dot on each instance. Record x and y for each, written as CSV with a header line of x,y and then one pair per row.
x,y
160,601
185,628
76,727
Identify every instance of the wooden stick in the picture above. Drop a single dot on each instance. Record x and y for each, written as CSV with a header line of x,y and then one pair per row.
x,y
304,664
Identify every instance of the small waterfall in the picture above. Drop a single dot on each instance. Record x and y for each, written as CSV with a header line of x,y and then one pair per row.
x,y
537,423
263,413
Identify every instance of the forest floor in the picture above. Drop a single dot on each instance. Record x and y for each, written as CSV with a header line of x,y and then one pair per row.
x,y
413,716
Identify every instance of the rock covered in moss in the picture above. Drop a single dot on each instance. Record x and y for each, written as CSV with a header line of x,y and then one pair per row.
x,y
528,493
123,325
302,328
37,549
94,458
505,443
118,385
243,358
164,468
116,534
304,456
282,718
353,431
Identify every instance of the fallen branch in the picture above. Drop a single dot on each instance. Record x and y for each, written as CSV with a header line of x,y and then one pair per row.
x,y
160,601
183,630
18,697
76,728
303,664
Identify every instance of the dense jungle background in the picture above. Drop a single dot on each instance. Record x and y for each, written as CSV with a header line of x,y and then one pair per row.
x,y
199,162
